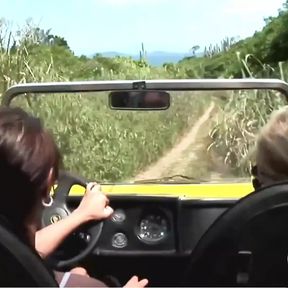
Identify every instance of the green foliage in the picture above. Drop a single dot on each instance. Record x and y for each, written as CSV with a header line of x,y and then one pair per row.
x,y
100,143
33,54
237,124
270,46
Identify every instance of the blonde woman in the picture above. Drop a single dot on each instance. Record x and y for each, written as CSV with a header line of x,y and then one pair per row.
x,y
272,150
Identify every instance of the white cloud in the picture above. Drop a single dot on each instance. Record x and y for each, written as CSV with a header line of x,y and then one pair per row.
x,y
131,2
248,7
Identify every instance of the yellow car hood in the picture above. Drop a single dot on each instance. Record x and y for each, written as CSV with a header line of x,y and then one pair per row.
x,y
194,191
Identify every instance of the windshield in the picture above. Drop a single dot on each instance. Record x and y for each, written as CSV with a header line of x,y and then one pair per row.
x,y
203,137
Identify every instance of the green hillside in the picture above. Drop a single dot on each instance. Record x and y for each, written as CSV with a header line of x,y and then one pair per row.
x,y
257,56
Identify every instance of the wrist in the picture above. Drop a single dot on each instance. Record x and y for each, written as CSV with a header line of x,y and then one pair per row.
x,y
79,216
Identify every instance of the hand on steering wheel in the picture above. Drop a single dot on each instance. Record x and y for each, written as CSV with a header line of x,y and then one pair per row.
x,y
94,204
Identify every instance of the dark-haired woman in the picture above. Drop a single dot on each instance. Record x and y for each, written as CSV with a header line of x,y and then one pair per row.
x,y
29,165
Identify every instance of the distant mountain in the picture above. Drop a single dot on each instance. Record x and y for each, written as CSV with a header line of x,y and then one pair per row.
x,y
157,58
113,54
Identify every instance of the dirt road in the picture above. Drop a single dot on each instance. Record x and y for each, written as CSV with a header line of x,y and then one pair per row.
x,y
177,160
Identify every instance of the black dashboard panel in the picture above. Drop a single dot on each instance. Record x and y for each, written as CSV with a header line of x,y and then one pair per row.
x,y
195,217
157,216
155,226
163,263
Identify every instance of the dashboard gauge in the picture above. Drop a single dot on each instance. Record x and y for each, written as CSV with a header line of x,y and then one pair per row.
x,y
119,240
118,216
153,228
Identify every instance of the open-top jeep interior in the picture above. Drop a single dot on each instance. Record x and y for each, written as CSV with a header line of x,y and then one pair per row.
x,y
177,176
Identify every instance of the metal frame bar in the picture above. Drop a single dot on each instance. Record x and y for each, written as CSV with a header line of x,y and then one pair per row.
x,y
195,84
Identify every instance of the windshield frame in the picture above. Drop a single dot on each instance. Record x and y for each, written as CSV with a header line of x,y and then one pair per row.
x,y
191,85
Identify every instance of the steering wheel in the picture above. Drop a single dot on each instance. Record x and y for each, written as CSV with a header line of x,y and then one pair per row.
x,y
247,245
88,233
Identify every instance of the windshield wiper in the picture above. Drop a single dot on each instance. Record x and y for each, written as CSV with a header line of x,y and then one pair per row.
x,y
171,179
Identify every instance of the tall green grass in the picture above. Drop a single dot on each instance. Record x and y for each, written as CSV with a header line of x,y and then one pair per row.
x,y
110,145
239,120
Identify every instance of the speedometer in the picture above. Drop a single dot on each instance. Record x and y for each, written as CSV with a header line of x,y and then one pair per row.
x,y
153,228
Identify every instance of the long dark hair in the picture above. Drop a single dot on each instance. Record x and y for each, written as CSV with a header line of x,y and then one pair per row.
x,y
27,154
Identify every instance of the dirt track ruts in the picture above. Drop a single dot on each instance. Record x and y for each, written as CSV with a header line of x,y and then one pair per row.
x,y
177,158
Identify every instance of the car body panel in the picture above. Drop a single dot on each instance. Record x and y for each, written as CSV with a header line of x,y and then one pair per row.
x,y
191,191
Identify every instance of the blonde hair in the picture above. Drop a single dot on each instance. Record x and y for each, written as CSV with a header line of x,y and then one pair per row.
x,y
272,149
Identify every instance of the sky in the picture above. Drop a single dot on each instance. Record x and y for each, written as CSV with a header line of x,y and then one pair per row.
x,y
92,26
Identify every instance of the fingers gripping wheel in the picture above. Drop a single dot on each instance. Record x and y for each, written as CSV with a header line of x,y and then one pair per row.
x,y
59,210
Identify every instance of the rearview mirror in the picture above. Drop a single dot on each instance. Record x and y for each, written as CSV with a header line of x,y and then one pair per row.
x,y
139,100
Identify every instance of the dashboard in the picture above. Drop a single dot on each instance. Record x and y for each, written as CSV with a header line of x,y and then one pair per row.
x,y
155,226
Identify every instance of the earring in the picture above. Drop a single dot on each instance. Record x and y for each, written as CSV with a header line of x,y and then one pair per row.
x,y
254,170
45,204
255,181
